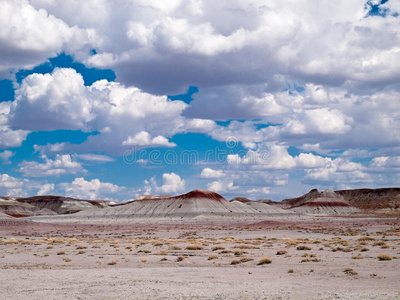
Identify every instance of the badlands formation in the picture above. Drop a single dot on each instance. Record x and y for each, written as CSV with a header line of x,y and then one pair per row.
x,y
322,245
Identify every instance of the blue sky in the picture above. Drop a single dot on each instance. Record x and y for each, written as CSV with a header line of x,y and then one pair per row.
x,y
106,100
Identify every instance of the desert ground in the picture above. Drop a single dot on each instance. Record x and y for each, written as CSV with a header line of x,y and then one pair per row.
x,y
300,258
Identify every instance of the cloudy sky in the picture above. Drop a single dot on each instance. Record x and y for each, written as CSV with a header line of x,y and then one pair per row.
x,y
263,99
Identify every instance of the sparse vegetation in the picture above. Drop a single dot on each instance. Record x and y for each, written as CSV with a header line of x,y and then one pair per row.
x,y
194,247
246,259
264,260
350,271
180,258
281,252
382,256
303,247
212,256
217,248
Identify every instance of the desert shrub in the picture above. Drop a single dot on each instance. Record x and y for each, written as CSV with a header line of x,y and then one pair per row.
x,y
225,252
145,251
364,249
235,262
81,252
290,271
358,256
380,243
281,252
264,260
180,258
246,259
173,247
163,259
67,259
366,239
112,262
384,257
162,252
194,247
350,271
246,247
212,256
217,248
310,259
303,247
60,253
239,252
81,247
309,255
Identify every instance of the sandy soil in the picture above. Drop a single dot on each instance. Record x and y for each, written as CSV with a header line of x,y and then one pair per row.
x,y
317,258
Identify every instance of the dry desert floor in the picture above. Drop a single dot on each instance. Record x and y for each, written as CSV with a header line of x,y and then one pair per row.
x,y
322,258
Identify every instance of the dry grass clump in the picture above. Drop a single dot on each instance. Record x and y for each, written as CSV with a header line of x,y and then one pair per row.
x,y
348,249
310,258
112,262
358,256
147,251
162,252
264,260
246,247
79,247
143,259
290,271
239,252
379,243
350,271
303,247
281,252
246,259
235,262
212,256
366,239
67,259
194,247
81,252
309,255
180,258
384,257
174,247
218,248
364,249
60,253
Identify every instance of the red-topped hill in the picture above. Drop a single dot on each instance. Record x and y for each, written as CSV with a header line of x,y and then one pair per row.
x,y
195,194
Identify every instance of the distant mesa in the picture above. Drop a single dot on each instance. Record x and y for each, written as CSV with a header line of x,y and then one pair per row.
x,y
373,199
240,199
327,202
201,204
46,205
